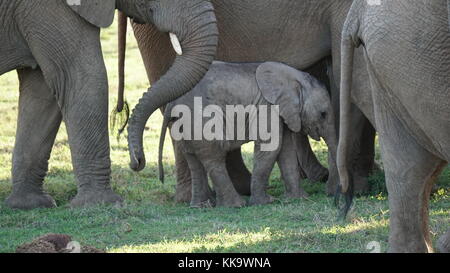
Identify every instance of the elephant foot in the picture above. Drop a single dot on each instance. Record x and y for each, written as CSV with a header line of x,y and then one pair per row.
x,y
204,200
320,176
183,191
30,200
262,199
96,197
209,203
233,202
332,185
301,194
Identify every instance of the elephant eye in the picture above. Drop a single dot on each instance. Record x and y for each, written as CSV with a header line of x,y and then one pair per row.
x,y
323,115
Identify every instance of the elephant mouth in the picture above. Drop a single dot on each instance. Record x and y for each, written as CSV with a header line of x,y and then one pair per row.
x,y
314,134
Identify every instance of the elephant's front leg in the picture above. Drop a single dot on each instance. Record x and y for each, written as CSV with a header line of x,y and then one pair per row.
x,y
263,162
85,112
38,123
72,64
308,160
290,169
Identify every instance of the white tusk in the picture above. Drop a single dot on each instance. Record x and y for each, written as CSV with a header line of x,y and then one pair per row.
x,y
176,43
74,247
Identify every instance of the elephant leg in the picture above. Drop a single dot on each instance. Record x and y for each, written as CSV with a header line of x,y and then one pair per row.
x,y
364,155
202,195
411,171
226,194
443,244
291,172
308,160
184,180
87,127
73,67
362,152
239,174
263,162
37,126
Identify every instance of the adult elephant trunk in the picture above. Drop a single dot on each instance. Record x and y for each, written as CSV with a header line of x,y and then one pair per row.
x,y
198,43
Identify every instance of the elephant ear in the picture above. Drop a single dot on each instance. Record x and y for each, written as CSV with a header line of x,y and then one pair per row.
x,y
100,13
277,86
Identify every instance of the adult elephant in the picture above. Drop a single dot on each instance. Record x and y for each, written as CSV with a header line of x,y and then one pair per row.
x,y
408,59
55,45
299,33
448,10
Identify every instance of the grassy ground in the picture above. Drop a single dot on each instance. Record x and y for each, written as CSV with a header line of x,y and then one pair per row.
x,y
151,222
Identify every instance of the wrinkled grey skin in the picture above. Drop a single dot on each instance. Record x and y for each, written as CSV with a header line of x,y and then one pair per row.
x,y
408,59
448,9
296,32
194,23
56,50
443,244
305,107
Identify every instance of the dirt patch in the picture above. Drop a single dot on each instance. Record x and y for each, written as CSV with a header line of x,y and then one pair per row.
x,y
55,243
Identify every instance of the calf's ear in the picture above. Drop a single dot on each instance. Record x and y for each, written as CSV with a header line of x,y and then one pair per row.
x,y
100,13
279,88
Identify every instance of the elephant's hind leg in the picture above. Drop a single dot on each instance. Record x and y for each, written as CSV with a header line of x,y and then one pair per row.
x,y
202,195
239,174
410,176
411,172
38,123
226,194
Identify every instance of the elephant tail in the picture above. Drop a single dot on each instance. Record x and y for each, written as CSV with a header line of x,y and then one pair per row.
x,y
162,138
121,114
348,45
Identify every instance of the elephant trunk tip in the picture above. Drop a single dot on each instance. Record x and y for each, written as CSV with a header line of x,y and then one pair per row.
x,y
137,158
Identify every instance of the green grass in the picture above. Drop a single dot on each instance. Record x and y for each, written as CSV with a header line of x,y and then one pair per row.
x,y
150,221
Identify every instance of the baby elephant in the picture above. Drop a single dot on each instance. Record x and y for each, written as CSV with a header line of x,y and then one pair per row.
x,y
266,103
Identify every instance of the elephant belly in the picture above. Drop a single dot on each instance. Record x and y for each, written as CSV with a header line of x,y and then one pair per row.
x,y
14,52
291,32
15,58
